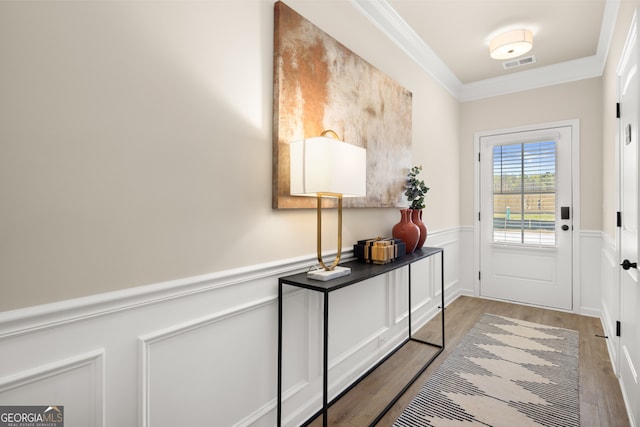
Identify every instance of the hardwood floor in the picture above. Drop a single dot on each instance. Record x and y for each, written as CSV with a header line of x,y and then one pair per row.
x,y
601,402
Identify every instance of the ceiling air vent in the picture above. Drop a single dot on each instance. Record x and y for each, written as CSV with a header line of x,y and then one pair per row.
x,y
519,62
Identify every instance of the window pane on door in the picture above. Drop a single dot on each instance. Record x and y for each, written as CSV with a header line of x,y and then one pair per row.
x,y
524,193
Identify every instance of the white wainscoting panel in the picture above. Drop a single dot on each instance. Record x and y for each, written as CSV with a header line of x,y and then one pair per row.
x,y
75,383
425,286
368,320
587,285
203,350
208,368
467,267
400,292
450,242
369,300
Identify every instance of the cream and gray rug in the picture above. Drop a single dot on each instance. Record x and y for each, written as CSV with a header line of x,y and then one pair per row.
x,y
504,372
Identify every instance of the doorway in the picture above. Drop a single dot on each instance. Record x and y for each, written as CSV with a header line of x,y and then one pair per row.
x,y
526,217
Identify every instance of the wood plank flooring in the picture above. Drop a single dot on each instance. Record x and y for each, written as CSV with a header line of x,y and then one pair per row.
x,y
601,402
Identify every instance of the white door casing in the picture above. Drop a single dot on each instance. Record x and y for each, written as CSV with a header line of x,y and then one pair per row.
x,y
629,285
527,266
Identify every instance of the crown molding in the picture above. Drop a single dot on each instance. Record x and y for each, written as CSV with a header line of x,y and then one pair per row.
x,y
608,27
565,72
385,17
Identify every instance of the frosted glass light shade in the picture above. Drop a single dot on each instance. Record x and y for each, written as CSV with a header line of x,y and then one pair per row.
x,y
511,44
327,165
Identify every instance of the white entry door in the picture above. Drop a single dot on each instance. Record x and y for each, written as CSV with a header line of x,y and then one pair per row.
x,y
526,213
628,248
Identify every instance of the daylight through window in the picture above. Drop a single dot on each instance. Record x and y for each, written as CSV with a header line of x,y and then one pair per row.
x,y
524,193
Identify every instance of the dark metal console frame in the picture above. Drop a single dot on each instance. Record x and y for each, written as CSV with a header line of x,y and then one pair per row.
x,y
359,271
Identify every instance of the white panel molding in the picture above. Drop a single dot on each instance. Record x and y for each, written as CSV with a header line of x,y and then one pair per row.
x,y
157,313
468,265
93,360
449,240
365,352
41,317
434,286
590,273
401,277
302,395
368,341
147,341
186,327
451,261
298,399
299,412
347,367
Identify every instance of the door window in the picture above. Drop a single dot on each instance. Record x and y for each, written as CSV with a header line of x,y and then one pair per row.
x,y
524,193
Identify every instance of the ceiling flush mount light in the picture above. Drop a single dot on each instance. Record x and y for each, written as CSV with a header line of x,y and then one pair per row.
x,y
511,44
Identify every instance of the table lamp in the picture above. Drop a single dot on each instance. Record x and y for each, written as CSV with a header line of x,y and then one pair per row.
x,y
325,167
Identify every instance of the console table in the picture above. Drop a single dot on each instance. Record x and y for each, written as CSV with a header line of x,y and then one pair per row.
x,y
359,271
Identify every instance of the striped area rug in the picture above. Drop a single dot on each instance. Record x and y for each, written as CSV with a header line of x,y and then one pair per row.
x,y
504,372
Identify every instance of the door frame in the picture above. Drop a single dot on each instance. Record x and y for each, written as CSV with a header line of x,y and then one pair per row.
x,y
575,199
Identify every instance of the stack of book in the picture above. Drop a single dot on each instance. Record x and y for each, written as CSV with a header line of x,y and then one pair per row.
x,y
379,250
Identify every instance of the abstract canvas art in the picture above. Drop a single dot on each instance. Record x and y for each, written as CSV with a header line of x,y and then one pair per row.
x,y
319,84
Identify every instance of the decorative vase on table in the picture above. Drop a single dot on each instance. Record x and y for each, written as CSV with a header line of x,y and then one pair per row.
x,y
416,218
406,231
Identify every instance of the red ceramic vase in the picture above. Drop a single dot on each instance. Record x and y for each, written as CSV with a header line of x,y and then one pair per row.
x,y
406,231
416,218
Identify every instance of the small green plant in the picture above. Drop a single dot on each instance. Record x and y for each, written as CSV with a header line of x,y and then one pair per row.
x,y
415,189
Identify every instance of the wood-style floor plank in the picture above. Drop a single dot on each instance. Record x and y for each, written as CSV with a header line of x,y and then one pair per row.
x,y
601,402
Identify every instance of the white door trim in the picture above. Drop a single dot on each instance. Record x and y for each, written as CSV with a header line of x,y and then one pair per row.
x,y
575,191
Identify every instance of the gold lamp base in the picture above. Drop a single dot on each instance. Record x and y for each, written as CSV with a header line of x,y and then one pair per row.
x,y
333,271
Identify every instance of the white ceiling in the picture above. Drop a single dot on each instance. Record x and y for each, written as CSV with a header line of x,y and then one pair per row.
x,y
450,40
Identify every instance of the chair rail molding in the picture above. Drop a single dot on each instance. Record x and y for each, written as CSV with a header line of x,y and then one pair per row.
x,y
129,354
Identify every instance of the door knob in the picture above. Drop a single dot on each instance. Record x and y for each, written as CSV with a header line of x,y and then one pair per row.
x,y
565,227
626,264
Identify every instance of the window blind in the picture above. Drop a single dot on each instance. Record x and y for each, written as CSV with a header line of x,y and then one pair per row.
x,y
524,187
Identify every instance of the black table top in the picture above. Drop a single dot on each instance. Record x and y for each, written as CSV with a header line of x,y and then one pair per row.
x,y
359,271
